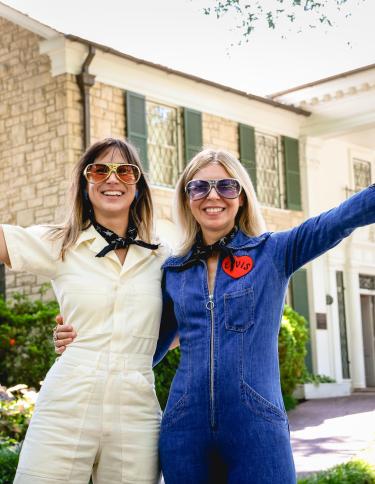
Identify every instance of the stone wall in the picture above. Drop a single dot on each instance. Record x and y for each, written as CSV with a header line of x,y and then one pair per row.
x,y
107,105
41,138
220,133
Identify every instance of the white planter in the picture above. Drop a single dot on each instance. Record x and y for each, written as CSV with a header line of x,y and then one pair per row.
x,y
310,391
299,392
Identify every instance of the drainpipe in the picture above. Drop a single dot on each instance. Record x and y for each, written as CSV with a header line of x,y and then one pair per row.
x,y
86,81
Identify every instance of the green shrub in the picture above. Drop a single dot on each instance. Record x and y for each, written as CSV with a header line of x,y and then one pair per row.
x,y
15,413
8,464
289,402
352,472
293,337
316,379
26,347
164,373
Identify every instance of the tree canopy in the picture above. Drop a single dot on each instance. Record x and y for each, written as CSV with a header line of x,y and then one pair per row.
x,y
296,13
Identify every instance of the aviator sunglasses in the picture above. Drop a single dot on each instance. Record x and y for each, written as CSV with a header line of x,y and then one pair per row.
x,y
226,188
100,172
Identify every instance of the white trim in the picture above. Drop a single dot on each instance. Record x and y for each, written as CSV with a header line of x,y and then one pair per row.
x,y
320,126
26,22
68,56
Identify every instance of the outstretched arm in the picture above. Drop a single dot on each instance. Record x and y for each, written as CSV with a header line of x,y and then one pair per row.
x,y
319,234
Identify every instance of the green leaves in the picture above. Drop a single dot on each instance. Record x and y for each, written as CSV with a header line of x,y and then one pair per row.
x,y
26,347
312,13
293,337
352,472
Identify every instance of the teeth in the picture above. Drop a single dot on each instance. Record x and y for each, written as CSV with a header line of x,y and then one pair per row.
x,y
118,194
214,209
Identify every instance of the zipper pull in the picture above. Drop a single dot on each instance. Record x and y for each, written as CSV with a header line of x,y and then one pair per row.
x,y
210,303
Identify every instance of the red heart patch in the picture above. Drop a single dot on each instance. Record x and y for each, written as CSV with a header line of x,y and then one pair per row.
x,y
242,265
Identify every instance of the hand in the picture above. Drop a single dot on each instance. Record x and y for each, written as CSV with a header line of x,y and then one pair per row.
x,y
63,334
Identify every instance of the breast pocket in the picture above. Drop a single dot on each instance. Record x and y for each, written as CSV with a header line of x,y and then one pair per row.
x,y
239,310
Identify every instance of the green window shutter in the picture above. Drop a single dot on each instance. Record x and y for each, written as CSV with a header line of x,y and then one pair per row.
x,y
2,280
301,305
293,181
193,133
247,151
136,125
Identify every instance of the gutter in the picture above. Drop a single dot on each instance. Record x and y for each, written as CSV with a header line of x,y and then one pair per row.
x,y
86,81
252,97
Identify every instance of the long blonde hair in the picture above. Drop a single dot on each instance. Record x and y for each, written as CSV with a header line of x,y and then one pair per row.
x,y
141,210
249,217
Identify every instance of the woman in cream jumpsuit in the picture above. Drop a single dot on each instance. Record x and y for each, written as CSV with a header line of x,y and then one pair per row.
x,y
97,412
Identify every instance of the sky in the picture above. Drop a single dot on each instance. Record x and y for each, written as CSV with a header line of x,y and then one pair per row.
x,y
177,34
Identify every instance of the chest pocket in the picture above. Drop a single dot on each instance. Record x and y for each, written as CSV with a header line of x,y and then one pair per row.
x,y
239,310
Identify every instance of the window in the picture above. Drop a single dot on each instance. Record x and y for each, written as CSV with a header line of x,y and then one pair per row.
x,y
2,281
268,169
362,174
162,143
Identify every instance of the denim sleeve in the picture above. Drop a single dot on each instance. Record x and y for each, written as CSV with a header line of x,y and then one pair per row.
x,y
319,234
168,326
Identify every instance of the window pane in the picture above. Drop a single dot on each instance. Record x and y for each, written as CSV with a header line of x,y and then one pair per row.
x,y
267,166
162,144
362,174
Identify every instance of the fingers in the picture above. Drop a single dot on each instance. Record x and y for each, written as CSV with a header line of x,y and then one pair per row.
x,y
65,337
59,343
60,350
65,331
59,319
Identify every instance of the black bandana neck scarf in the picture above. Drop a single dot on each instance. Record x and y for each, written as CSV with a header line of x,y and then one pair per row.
x,y
116,241
203,252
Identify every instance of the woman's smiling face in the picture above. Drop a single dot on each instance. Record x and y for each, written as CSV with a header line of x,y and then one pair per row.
x,y
215,214
111,197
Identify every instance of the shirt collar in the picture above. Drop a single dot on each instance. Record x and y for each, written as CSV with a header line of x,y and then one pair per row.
x,y
88,234
240,241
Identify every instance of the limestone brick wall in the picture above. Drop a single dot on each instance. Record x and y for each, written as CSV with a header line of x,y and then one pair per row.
x,y
279,219
40,136
163,199
220,133
107,105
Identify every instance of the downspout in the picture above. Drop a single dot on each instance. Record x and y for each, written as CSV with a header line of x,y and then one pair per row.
x,y
86,81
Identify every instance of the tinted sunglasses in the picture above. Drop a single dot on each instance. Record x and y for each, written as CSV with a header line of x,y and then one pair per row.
x,y
100,172
226,188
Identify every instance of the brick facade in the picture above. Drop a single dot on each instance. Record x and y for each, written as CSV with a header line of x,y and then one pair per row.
x,y
38,137
41,137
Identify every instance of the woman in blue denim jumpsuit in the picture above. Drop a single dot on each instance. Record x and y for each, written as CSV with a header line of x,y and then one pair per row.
x,y
225,420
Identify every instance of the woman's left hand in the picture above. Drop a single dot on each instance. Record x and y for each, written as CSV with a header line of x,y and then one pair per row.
x,y
63,334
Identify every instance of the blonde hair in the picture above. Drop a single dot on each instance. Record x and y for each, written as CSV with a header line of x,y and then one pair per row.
x,y
141,210
249,217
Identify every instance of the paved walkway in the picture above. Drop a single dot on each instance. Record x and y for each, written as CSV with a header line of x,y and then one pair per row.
x,y
331,431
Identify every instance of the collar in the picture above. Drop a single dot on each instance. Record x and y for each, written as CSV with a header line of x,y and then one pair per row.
x,y
98,242
88,234
241,241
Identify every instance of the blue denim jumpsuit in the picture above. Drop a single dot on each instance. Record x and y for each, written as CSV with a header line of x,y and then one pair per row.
x,y
225,420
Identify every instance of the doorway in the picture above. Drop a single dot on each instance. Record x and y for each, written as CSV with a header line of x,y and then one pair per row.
x,y
368,328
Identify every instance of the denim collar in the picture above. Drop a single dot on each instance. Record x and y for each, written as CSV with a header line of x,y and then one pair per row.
x,y
241,241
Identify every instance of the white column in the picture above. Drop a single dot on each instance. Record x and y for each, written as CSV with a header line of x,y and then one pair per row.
x,y
354,326
310,166
334,325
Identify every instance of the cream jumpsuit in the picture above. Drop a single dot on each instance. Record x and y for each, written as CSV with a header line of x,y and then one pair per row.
x,y
97,410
